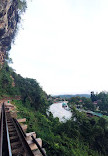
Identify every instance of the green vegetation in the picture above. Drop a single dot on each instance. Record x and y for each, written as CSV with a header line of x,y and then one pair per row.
x,y
102,101
28,89
6,81
69,96
81,102
79,136
22,5
85,136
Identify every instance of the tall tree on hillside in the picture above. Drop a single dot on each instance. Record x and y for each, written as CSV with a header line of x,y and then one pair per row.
x,y
93,96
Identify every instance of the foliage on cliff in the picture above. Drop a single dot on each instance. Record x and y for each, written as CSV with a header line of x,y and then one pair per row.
x,y
22,5
27,88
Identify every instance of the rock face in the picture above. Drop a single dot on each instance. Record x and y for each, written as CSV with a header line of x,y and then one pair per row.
x,y
8,24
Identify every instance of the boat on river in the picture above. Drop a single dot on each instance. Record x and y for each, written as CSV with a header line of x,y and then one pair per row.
x,y
65,106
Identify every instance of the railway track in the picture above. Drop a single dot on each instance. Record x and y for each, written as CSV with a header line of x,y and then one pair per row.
x,y
13,138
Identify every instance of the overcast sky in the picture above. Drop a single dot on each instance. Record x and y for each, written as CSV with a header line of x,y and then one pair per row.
x,y
63,44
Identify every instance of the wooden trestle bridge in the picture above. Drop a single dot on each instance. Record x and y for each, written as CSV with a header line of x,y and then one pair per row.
x,y
13,140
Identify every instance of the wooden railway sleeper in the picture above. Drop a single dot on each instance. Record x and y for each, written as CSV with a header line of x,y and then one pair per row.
x,y
19,146
16,145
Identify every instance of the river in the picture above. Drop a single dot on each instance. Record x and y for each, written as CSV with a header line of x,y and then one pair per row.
x,y
58,111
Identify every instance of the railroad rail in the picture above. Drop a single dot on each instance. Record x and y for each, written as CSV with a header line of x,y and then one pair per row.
x,y
13,138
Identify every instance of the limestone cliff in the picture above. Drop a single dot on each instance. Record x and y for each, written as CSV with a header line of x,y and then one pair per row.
x,y
8,24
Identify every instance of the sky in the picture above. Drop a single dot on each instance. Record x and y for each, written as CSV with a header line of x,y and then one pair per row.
x,y
63,44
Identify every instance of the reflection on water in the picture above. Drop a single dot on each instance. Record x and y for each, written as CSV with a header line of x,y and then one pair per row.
x,y
58,111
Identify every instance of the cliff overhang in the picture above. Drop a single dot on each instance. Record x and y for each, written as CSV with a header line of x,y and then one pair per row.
x,y
8,25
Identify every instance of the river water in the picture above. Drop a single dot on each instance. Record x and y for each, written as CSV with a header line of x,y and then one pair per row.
x,y
58,111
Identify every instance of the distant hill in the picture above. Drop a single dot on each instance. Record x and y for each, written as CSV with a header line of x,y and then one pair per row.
x,y
69,96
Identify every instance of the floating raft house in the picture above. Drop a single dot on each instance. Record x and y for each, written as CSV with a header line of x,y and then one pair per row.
x,y
64,104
